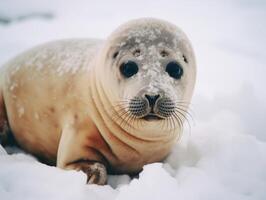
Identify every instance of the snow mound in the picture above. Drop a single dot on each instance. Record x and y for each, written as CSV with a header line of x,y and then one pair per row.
x,y
213,163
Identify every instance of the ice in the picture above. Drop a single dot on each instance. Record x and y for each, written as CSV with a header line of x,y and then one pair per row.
x,y
222,156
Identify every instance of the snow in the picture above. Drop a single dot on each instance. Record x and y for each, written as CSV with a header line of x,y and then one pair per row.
x,y
222,156
20,111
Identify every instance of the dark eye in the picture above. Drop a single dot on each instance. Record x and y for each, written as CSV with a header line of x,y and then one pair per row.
x,y
174,70
129,68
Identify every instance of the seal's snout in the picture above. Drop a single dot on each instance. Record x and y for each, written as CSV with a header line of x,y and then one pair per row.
x,y
152,99
152,107
138,107
166,107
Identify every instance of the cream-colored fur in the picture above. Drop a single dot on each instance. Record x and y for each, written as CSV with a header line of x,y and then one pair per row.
x,y
61,99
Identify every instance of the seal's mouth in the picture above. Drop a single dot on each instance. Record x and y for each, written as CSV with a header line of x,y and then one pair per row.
x,y
152,117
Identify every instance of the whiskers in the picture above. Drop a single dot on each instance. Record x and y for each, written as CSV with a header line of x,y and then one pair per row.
x,y
175,114
183,114
126,116
130,114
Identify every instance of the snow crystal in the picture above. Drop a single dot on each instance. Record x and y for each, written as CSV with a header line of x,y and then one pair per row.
x,y
36,115
21,111
13,86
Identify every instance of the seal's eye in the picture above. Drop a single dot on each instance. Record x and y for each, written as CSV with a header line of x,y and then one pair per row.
x,y
129,68
174,70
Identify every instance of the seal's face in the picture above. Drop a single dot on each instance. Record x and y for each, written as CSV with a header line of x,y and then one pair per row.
x,y
153,70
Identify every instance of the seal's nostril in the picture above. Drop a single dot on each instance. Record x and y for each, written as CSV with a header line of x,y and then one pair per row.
x,y
152,99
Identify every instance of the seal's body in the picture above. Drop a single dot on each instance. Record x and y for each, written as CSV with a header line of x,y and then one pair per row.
x,y
90,105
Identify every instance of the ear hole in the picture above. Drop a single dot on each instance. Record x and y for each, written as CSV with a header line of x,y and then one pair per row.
x,y
164,53
136,52
115,54
185,58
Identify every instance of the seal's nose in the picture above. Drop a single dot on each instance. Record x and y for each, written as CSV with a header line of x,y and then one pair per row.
x,y
152,99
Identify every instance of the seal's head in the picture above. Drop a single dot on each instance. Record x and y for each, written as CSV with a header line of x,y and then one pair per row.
x,y
149,75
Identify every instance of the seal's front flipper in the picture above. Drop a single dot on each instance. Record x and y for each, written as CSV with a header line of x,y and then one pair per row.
x,y
96,172
73,153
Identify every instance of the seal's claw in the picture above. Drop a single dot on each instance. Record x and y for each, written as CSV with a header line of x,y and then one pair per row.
x,y
97,174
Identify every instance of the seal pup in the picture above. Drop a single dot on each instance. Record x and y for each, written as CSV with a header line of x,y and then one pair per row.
x,y
101,106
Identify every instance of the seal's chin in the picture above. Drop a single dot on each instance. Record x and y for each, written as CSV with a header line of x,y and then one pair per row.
x,y
152,117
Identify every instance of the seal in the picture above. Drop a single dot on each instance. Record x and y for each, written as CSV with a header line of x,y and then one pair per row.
x,y
101,106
